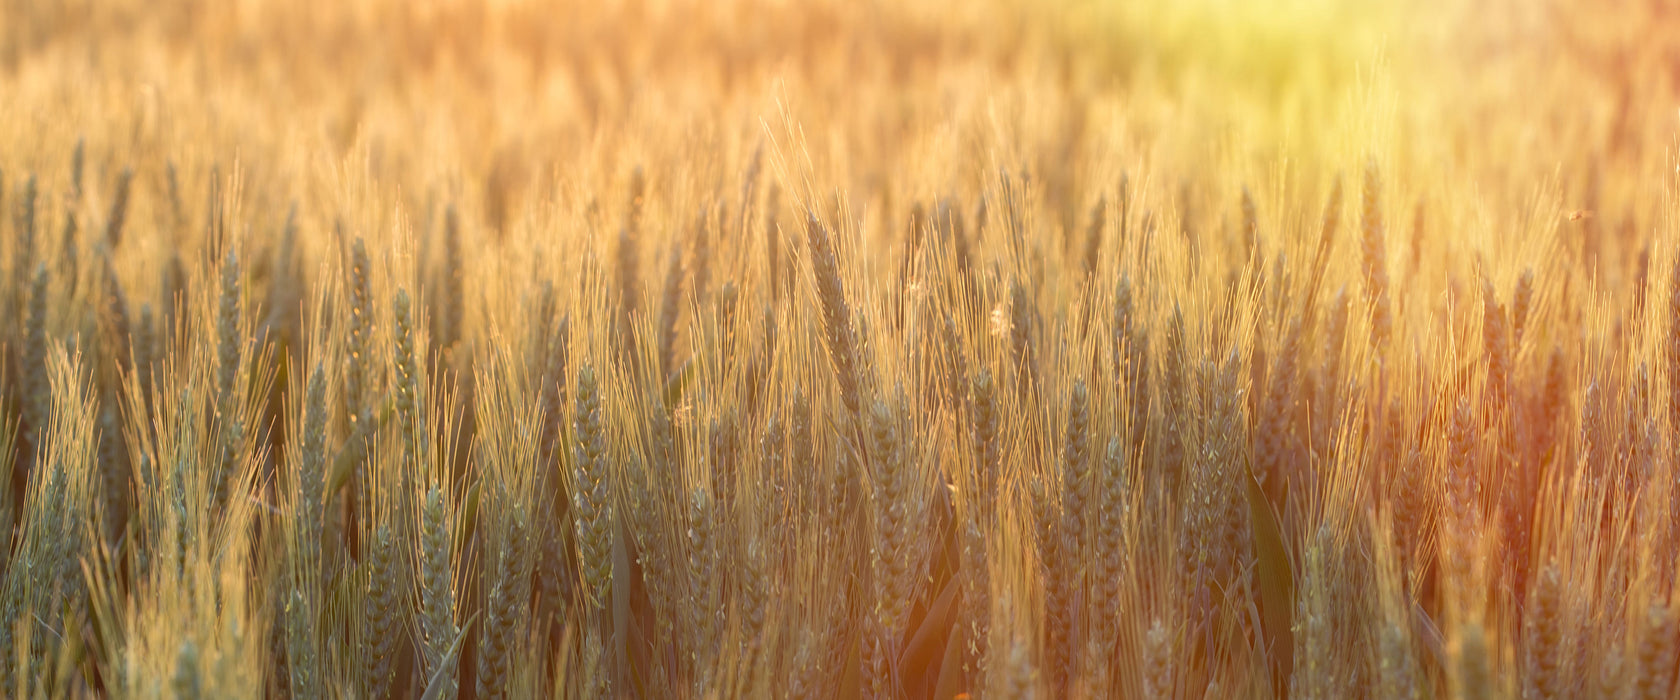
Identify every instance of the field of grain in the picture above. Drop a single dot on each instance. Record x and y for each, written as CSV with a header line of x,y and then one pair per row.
x,y
833,349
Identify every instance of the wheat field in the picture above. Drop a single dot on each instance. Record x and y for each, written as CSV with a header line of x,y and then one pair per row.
x,y
760,348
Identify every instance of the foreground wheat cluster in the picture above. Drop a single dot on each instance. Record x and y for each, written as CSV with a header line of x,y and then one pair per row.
x,y
750,349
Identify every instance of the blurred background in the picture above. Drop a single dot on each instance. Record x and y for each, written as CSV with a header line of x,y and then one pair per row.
x,y
508,101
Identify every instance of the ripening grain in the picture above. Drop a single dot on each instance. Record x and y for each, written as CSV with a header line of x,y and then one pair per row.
x,y
750,348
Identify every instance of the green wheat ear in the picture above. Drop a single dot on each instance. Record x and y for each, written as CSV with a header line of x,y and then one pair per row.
x,y
1112,515
409,382
505,608
837,316
359,390
380,618
24,246
1374,256
437,591
592,497
892,566
37,392
119,210
703,587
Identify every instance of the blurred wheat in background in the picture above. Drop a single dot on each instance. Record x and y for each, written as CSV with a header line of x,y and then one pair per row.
x,y
755,348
